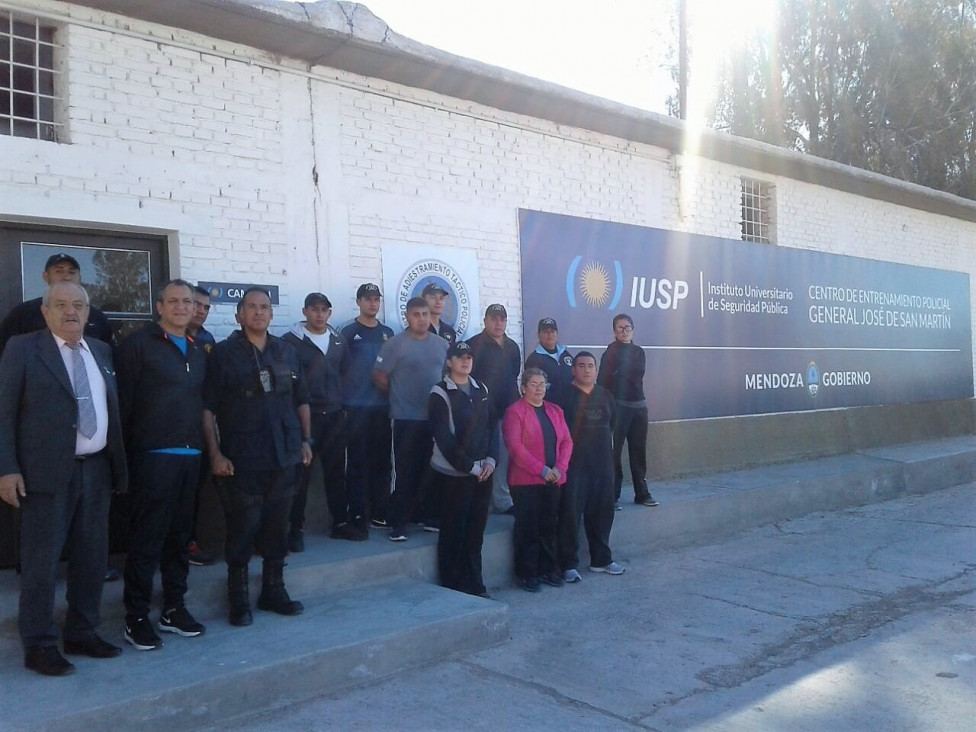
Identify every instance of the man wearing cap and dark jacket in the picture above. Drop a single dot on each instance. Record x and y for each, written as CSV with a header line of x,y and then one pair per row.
x,y
27,317
552,358
368,429
324,355
497,364
436,297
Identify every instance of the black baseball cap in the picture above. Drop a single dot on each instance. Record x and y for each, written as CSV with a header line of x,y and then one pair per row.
x,y
433,289
496,309
59,258
547,324
314,298
460,348
368,289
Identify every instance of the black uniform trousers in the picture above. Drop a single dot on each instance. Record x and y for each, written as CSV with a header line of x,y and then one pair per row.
x,y
75,519
160,520
412,447
587,498
464,514
257,504
630,424
536,517
329,445
368,463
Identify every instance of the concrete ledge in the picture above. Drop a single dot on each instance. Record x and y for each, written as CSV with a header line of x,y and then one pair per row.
x,y
710,507
343,639
695,447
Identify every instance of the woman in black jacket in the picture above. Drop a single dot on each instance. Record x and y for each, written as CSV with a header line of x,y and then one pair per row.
x,y
464,457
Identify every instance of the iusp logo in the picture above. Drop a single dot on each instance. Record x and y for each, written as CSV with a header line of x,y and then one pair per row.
x,y
594,284
813,380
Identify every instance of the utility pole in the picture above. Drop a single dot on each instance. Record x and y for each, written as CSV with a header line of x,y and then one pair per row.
x,y
683,59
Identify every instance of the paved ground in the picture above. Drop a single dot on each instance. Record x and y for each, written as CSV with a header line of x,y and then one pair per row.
x,y
858,619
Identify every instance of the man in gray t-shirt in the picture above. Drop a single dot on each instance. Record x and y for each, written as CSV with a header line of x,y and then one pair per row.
x,y
407,367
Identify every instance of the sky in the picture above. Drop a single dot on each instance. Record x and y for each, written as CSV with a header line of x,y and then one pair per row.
x,y
616,49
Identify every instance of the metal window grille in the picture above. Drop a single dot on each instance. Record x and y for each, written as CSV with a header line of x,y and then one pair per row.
x,y
756,211
28,78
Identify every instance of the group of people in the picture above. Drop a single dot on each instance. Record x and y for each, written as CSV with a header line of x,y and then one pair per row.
x,y
82,417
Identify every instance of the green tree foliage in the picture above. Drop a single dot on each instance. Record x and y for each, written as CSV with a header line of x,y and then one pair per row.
x,y
885,85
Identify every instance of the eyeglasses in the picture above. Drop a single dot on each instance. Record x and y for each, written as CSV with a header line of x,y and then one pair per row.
x,y
624,328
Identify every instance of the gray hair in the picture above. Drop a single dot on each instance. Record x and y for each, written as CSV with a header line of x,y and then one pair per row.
x,y
532,371
46,297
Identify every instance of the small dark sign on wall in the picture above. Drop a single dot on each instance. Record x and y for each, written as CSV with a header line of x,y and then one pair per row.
x,y
232,292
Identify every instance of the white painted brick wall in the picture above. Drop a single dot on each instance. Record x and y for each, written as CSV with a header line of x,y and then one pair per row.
x,y
216,143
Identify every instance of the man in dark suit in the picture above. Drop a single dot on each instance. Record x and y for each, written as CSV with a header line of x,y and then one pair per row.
x,y
61,454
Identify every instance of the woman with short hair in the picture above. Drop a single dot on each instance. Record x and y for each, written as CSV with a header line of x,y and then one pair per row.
x,y
539,447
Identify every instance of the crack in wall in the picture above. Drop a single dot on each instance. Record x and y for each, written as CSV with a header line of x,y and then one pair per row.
x,y
316,204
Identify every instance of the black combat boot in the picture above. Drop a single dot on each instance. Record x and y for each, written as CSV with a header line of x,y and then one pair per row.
x,y
274,596
240,607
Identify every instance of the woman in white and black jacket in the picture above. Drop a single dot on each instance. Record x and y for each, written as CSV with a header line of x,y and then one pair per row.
x,y
464,457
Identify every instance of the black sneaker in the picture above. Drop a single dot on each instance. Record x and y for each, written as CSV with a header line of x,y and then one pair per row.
x,y
647,500
198,557
433,527
180,621
553,580
530,585
398,535
378,524
141,635
348,532
296,541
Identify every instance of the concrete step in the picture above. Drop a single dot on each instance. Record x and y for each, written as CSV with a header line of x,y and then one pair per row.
x,y
343,638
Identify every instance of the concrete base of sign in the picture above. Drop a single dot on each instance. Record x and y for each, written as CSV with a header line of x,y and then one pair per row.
x,y
702,446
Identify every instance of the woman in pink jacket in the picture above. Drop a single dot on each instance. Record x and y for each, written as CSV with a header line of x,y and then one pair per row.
x,y
539,448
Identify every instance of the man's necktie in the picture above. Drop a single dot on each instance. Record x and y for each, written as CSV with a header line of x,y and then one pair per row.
x,y
87,423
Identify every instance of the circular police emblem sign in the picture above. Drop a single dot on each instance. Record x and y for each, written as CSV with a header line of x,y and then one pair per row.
x,y
457,306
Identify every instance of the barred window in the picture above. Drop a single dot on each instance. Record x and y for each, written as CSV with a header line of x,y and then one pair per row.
x,y
757,218
28,84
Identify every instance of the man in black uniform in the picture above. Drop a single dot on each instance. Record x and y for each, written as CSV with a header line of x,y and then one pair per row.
x,y
324,356
551,357
588,492
160,375
27,317
201,311
436,297
497,364
205,340
255,394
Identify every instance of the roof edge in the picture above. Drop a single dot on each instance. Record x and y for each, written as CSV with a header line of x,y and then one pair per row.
x,y
347,36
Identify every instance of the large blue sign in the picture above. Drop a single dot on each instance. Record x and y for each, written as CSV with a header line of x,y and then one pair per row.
x,y
731,327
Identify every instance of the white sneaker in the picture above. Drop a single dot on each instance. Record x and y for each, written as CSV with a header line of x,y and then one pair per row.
x,y
612,568
571,575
